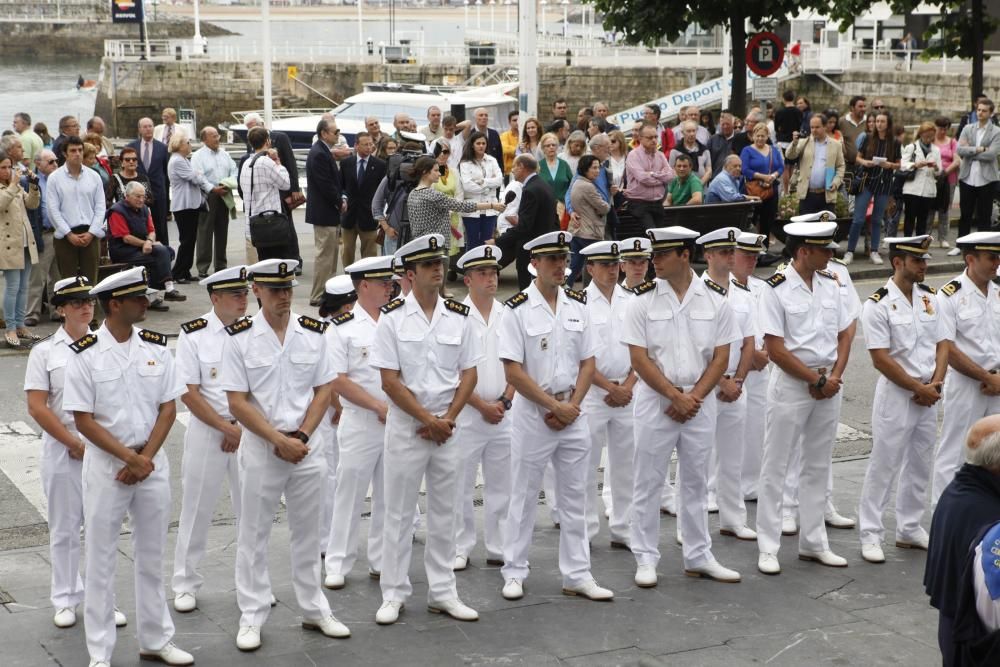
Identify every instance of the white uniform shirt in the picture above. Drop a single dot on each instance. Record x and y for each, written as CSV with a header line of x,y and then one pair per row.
x,y
757,287
608,320
47,372
351,344
910,332
199,360
743,305
680,337
549,345
279,377
972,320
850,295
491,381
808,320
430,355
123,386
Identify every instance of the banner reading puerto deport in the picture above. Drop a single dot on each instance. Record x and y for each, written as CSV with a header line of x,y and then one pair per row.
x,y
126,11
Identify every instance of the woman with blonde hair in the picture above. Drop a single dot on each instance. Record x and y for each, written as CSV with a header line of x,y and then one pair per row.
x,y
922,158
188,188
576,148
556,172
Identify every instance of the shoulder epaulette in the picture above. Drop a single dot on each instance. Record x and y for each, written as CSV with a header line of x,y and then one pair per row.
x,y
81,344
391,306
239,326
642,288
740,285
715,287
194,325
780,268
928,288
951,287
776,279
516,300
828,274
343,317
152,337
879,293
838,261
576,296
316,326
456,307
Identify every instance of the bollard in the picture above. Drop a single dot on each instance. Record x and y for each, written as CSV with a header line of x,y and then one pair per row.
x,y
569,58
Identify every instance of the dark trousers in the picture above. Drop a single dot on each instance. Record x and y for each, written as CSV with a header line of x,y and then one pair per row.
x,y
187,227
74,261
814,202
946,640
915,216
650,214
157,262
213,234
159,212
976,203
274,252
577,260
765,214
292,249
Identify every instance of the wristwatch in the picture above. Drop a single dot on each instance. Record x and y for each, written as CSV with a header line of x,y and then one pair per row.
x,y
820,383
303,436
505,401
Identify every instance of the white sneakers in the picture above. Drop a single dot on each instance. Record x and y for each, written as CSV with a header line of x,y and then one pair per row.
x,y
513,590
248,638
835,520
461,562
65,618
768,563
120,619
169,654
954,252
827,558
740,533
334,582
329,626
590,590
454,608
388,613
848,257
919,542
645,576
185,602
789,525
872,553
876,258
713,570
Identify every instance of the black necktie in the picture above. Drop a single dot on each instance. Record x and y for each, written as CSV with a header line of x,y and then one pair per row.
x,y
361,170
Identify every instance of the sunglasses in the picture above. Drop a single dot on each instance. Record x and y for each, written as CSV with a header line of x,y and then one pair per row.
x,y
124,159
80,303
445,152
878,106
52,162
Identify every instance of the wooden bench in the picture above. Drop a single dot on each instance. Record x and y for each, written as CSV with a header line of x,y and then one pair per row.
x,y
702,218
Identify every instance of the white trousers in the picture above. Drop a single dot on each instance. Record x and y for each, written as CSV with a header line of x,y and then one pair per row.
x,y
790,494
362,439
903,434
755,389
331,447
62,482
656,438
532,446
105,504
264,479
611,427
794,418
730,441
489,445
408,458
963,405
203,466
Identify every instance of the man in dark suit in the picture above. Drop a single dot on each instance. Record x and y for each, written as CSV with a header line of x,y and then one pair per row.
x,y
324,206
536,215
362,174
481,123
153,158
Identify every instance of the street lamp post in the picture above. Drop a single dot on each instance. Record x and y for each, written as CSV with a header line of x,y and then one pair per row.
x,y
361,34
265,17
199,42
565,6
544,4
492,6
479,10
465,10
506,15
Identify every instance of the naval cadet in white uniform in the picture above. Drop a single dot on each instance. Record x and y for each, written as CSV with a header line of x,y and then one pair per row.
x,y
212,435
679,333
903,334
806,320
276,373
361,433
970,314
125,470
426,353
484,422
547,347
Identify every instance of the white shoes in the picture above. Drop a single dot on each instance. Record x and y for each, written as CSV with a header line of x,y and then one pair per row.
x,y
248,638
768,563
827,558
645,576
669,508
329,626
589,590
713,504
461,562
741,533
789,525
388,613
919,542
876,258
713,570
872,553
944,244
848,257
835,520
120,619
169,654
513,590
334,582
954,252
274,600
185,602
99,663
65,618
454,608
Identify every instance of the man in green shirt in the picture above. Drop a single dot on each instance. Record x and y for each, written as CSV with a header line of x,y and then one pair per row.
x,y
685,189
31,142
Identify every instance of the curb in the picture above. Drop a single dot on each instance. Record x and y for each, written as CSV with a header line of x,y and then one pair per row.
x,y
885,271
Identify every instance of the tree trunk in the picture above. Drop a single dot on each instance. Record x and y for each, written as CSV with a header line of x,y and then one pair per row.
x,y
738,40
977,50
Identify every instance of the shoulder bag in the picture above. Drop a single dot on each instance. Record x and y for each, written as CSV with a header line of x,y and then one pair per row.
x,y
759,189
267,228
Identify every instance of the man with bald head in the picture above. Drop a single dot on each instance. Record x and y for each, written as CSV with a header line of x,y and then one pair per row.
x,y
481,123
401,122
970,503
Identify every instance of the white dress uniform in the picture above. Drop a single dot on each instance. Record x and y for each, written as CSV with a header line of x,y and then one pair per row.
x,y
280,379
809,322
484,443
98,375
908,326
755,386
204,464
971,319
430,356
62,476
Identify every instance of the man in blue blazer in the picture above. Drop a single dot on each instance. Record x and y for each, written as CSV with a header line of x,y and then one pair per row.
x,y
324,205
153,159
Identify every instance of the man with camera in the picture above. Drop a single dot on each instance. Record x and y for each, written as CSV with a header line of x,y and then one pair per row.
x,y
262,178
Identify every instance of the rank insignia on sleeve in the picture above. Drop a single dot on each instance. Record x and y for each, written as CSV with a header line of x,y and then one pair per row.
x,y
927,288
312,325
456,307
239,326
392,305
642,288
152,337
516,300
343,317
740,285
951,287
576,296
878,294
776,279
194,325
715,287
82,344
827,274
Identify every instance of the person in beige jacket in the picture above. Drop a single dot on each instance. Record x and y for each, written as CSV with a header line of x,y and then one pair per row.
x,y
817,153
17,247
588,224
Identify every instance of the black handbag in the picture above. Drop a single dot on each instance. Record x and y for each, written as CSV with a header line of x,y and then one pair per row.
x,y
268,229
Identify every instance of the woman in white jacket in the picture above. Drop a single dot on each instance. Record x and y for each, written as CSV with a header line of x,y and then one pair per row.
x,y
188,189
480,177
919,193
